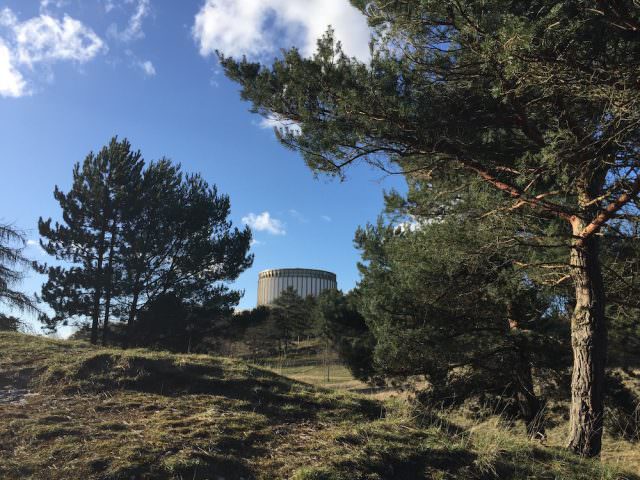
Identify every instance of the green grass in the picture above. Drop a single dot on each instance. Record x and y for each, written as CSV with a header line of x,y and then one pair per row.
x,y
308,363
82,413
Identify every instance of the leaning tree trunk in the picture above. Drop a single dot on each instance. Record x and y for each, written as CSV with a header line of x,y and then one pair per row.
x,y
589,344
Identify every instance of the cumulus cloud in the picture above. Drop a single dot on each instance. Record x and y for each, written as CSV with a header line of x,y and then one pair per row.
x,y
42,39
264,222
12,83
326,218
148,68
259,28
133,31
45,38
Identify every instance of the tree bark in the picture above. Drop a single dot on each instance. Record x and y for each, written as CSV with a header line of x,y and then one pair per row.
x,y
105,323
109,284
589,344
132,315
98,291
529,404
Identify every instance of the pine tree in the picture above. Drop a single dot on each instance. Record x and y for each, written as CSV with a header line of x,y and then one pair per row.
x,y
87,238
291,316
535,99
441,303
12,266
340,324
181,243
131,235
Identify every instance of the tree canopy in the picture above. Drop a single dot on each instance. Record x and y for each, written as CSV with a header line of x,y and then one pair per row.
x,y
13,263
536,99
132,234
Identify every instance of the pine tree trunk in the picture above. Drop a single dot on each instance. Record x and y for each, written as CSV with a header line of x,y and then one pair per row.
x,y
109,285
105,323
132,315
589,344
529,404
97,295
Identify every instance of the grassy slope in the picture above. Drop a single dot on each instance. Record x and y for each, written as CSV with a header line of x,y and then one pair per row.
x,y
110,414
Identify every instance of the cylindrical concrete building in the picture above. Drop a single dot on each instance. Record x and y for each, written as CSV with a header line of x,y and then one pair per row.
x,y
271,283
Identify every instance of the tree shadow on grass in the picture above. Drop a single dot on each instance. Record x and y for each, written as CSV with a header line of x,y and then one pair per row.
x,y
281,400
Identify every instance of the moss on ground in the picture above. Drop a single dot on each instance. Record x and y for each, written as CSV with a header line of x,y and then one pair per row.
x,y
93,413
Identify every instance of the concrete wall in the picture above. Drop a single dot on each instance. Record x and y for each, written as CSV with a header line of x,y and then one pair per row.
x,y
271,283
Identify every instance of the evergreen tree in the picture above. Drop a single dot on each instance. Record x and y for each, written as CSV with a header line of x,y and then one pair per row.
x,y
9,323
131,235
339,323
87,238
535,99
12,265
472,323
181,243
290,317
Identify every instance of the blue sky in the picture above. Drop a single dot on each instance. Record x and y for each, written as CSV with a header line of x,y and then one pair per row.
x,y
73,73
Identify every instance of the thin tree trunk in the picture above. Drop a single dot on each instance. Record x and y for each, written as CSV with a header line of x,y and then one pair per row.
x,y
109,287
528,402
97,295
105,323
589,344
132,314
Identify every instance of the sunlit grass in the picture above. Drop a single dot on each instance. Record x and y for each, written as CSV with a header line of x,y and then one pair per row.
x,y
114,414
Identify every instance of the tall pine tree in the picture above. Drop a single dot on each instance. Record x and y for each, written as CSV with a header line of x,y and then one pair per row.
x,y
536,99
131,235
87,238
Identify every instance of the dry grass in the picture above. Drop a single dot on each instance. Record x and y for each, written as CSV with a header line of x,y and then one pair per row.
x,y
97,413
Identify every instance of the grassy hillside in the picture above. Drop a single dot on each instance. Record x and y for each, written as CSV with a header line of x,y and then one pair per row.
x,y
71,411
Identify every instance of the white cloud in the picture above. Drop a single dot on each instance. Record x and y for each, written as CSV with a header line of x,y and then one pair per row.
x,y
148,68
41,39
258,28
12,83
255,243
45,38
264,223
326,218
133,31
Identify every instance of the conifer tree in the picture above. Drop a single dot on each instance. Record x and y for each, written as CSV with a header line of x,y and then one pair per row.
x,y
87,237
291,316
180,242
339,323
130,235
442,302
12,266
536,99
